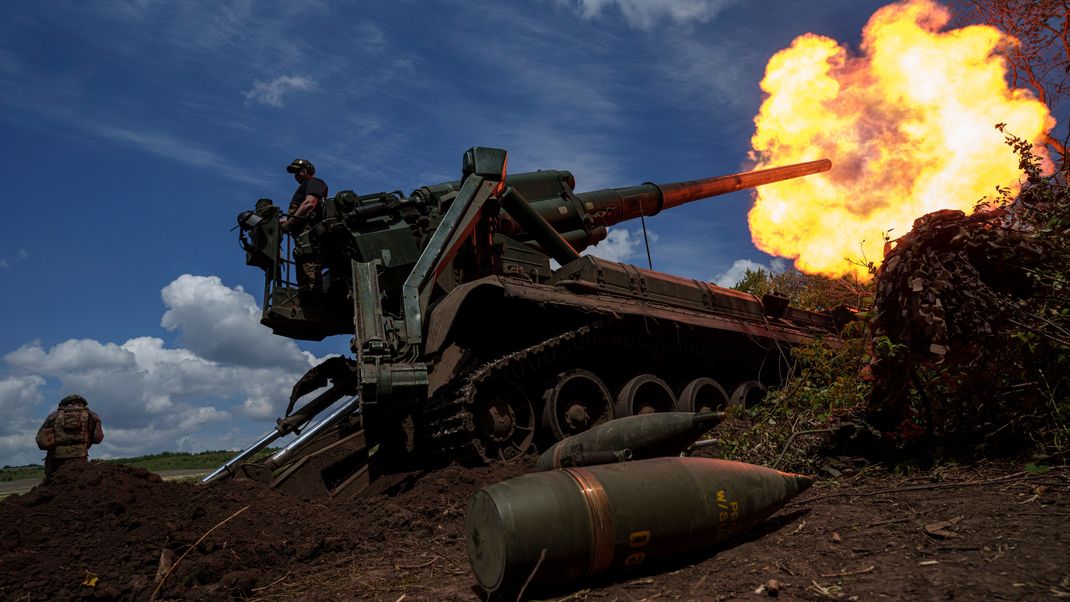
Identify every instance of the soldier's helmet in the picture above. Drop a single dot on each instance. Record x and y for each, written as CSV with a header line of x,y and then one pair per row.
x,y
299,164
73,400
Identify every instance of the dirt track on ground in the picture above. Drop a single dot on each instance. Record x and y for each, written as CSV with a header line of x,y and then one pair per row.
x,y
988,532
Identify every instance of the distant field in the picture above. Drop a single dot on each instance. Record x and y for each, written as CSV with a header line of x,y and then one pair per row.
x,y
154,463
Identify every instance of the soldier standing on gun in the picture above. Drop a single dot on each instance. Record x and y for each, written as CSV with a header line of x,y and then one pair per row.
x,y
68,433
306,208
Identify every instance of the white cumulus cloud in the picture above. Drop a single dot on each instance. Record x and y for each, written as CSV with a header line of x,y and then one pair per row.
x,y
73,355
227,372
622,245
19,396
734,274
20,404
271,93
644,14
222,324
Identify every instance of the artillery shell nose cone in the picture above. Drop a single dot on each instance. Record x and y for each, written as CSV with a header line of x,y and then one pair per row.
x,y
802,483
797,483
707,419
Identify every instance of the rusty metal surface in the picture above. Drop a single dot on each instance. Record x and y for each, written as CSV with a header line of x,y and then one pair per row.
x,y
678,193
600,301
614,305
444,314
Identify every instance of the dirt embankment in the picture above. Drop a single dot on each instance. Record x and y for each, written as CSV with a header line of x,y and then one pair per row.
x,y
982,533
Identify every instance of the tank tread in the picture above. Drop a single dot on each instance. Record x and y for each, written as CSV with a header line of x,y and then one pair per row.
x,y
448,419
449,422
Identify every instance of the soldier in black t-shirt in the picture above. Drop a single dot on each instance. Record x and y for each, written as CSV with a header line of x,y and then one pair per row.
x,y
306,208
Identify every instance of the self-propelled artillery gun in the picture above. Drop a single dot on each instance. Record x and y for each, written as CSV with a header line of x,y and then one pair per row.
x,y
479,330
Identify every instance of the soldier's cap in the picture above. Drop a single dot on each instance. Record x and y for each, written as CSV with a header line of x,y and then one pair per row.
x,y
299,164
73,399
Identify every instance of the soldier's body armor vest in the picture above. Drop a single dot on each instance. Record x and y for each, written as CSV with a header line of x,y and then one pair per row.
x,y
72,433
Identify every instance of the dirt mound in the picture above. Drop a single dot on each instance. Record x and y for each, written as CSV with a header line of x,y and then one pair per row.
x,y
117,523
985,532
124,525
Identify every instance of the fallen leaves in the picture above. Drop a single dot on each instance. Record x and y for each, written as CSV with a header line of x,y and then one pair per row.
x,y
90,579
942,529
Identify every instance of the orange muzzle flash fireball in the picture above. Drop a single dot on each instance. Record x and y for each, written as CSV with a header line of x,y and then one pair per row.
x,y
908,124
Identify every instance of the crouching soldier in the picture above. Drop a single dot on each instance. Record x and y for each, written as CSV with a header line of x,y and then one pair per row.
x,y
68,433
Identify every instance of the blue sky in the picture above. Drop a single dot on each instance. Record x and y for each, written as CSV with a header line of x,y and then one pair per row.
x,y
134,132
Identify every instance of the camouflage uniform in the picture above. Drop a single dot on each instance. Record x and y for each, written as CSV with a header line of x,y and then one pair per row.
x,y
309,269
68,433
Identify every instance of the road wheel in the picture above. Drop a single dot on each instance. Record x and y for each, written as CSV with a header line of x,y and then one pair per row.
x,y
575,401
504,422
644,394
702,395
748,393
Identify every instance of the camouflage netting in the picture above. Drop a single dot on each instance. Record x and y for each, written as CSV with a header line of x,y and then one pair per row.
x,y
962,343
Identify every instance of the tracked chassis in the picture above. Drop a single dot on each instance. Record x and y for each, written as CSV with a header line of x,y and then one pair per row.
x,y
470,344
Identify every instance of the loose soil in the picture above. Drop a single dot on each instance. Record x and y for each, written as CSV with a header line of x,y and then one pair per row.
x,y
103,532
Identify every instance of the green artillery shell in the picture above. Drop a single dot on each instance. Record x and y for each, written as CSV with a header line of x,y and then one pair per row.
x,y
646,435
595,457
576,522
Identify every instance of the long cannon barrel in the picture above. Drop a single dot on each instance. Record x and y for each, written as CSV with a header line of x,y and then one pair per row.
x,y
544,211
620,204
